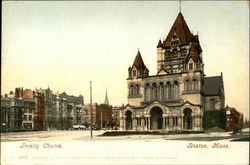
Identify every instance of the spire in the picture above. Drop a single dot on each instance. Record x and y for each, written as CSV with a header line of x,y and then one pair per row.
x,y
159,44
182,31
106,101
138,62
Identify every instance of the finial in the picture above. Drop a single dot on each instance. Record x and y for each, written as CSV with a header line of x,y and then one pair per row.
x,y
180,6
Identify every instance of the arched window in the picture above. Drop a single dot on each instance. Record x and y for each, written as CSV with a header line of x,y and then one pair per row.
x,y
131,88
191,66
134,73
212,104
137,89
195,84
161,91
176,90
154,91
168,91
147,92
186,85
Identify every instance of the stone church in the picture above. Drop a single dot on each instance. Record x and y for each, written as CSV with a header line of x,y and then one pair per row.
x,y
177,96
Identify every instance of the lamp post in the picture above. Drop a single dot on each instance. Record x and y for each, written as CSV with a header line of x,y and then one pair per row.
x,y
91,133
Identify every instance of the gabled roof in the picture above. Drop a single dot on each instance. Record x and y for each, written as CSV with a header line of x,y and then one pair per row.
x,y
138,62
162,70
194,52
181,29
212,85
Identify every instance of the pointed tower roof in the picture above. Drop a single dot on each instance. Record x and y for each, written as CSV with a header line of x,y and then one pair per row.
x,y
159,44
138,62
181,29
106,101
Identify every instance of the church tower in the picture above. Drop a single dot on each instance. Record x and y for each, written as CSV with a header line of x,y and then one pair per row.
x,y
136,73
180,51
106,100
138,69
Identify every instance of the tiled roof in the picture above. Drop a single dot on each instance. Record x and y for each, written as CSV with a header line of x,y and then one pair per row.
x,y
194,52
138,62
212,85
181,29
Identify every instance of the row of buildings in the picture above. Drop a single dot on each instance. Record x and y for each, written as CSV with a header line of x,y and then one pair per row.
x,y
42,109
179,97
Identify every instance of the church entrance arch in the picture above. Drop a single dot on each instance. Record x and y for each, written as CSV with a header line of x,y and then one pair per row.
x,y
156,118
128,116
187,118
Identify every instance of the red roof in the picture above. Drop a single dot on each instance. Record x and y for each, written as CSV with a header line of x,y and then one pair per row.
x,y
194,52
181,29
138,62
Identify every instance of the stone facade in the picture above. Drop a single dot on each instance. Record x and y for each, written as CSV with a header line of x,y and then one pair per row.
x,y
39,110
69,110
174,98
17,113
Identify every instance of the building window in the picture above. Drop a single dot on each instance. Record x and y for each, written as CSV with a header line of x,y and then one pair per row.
x,y
137,89
186,85
191,66
25,117
130,74
212,104
195,84
30,117
30,110
131,90
134,72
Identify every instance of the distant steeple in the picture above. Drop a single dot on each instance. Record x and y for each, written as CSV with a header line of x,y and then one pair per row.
x,y
106,101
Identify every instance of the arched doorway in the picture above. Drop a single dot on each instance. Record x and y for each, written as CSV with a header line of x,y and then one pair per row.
x,y
156,118
187,119
128,116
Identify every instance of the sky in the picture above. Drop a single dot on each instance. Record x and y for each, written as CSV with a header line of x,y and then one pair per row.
x,y
65,45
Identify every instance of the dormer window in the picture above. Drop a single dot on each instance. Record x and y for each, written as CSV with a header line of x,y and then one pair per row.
x,y
134,73
191,66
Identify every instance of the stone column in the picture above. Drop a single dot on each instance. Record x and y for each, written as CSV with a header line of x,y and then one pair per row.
x,y
143,123
149,124
122,127
171,122
163,123
124,123
201,128
193,122
179,122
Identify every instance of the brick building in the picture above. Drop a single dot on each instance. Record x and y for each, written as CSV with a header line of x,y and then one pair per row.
x,y
39,112
101,114
16,113
234,119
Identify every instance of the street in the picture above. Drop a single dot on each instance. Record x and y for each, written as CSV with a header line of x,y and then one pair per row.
x,y
84,135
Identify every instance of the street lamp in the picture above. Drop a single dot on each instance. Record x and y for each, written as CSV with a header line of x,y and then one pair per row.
x,y
91,133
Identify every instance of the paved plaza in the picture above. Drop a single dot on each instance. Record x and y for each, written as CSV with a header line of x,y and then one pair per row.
x,y
84,135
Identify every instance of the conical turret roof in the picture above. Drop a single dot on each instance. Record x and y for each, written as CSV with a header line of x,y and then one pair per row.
x,y
138,62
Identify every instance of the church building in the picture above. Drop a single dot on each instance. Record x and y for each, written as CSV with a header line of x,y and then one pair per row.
x,y
176,97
